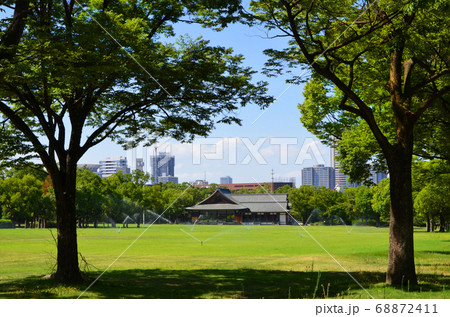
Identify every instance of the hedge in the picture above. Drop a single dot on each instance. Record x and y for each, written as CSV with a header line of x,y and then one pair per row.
x,y
6,223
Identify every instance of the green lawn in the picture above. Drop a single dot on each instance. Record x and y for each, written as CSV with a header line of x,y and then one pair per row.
x,y
169,261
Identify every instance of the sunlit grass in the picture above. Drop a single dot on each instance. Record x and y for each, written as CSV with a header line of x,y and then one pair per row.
x,y
182,261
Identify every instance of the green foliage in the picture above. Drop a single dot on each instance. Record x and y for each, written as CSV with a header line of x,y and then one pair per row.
x,y
15,149
310,204
89,197
6,223
29,169
22,199
378,66
320,111
348,47
283,189
264,189
363,201
432,184
381,199
132,89
301,201
359,154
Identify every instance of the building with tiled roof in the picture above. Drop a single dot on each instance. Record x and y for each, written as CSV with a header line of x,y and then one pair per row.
x,y
222,207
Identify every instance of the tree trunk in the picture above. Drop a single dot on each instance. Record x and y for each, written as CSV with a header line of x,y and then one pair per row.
x,y
442,222
401,268
67,259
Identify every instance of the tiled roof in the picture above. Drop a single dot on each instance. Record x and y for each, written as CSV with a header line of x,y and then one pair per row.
x,y
253,202
260,198
207,207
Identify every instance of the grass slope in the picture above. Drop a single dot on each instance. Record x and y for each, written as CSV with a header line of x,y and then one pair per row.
x,y
169,261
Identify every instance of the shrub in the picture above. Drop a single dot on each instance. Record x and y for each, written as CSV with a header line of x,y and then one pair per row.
x,y
6,223
50,224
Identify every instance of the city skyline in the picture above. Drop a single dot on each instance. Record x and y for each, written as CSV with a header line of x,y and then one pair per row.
x,y
233,155
318,174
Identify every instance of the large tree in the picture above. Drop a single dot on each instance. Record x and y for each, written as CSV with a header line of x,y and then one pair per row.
x,y
79,72
378,70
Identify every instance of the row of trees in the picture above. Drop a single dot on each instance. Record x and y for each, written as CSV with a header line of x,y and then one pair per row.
x,y
27,197
310,204
370,205
22,200
431,185
430,191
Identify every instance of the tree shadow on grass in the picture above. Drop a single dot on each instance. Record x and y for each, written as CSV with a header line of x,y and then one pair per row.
x,y
438,252
241,283
244,283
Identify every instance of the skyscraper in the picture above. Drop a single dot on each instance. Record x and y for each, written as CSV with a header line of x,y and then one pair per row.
x,y
307,176
163,168
140,164
112,165
377,177
340,179
319,175
226,180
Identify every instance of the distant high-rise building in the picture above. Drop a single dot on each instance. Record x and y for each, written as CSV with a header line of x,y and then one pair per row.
x,y
140,164
162,165
323,176
111,165
167,179
226,180
377,177
319,175
307,176
200,182
340,179
333,157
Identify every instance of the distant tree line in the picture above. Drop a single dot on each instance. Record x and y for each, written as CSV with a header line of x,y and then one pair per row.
x,y
371,204
27,199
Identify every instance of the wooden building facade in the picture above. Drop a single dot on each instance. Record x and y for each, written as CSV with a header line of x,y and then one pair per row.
x,y
222,207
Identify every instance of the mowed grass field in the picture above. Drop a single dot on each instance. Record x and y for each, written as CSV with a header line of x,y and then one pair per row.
x,y
185,261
